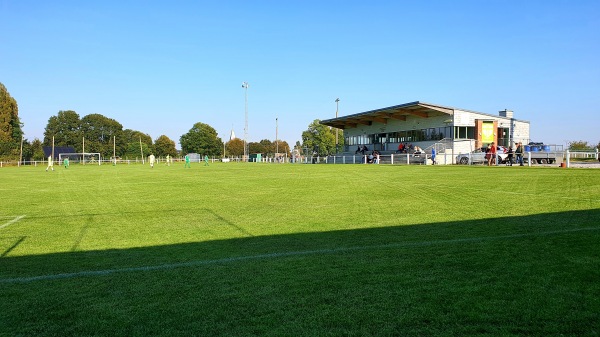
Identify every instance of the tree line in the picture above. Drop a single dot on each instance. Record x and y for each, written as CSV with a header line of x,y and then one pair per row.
x,y
101,134
104,135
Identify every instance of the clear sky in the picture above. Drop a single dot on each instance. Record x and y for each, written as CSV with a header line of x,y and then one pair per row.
x,y
161,66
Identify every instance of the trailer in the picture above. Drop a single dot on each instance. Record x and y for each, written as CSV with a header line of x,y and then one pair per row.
x,y
538,153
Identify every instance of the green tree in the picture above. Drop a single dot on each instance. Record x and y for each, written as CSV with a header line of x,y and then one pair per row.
x,y
37,152
131,139
282,146
99,131
65,128
341,140
254,147
27,150
163,146
265,146
10,126
133,151
579,145
235,147
202,138
319,139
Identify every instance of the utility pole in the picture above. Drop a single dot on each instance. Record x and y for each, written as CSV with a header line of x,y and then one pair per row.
x,y
245,86
21,155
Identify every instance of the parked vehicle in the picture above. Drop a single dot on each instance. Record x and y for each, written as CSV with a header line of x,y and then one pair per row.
x,y
542,154
538,152
478,156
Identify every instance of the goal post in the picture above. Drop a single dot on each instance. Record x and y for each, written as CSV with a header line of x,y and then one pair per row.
x,y
82,157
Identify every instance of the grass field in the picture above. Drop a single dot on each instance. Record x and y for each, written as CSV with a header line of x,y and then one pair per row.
x,y
299,250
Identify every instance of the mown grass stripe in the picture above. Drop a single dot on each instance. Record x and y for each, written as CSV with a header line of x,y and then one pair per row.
x,y
283,254
17,219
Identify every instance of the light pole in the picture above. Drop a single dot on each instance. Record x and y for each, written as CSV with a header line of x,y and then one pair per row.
x,y
337,103
245,86
276,131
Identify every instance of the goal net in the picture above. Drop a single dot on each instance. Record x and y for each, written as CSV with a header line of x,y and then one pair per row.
x,y
81,157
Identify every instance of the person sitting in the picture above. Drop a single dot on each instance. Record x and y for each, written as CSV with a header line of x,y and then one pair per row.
x,y
400,148
370,159
357,150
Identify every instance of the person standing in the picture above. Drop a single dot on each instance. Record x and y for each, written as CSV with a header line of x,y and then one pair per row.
x,y
205,160
50,164
187,161
66,162
168,160
433,155
151,160
509,161
519,153
492,154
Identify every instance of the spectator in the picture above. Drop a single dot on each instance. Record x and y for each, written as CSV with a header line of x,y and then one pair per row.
x,y
400,148
519,153
509,160
492,154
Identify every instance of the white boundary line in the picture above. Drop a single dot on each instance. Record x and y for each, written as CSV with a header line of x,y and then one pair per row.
x,y
198,263
12,221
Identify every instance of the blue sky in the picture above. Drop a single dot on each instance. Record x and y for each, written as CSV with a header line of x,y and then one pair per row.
x,y
161,66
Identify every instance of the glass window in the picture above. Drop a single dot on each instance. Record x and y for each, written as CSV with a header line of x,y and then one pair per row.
x,y
471,132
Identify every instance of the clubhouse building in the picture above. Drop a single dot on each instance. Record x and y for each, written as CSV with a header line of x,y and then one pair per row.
x,y
425,125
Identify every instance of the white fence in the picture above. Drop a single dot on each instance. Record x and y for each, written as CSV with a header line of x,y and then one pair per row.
x,y
393,159
583,154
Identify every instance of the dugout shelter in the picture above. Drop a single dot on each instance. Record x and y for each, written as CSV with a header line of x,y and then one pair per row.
x,y
58,150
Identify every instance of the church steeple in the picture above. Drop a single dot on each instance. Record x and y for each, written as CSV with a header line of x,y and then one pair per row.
x,y
232,135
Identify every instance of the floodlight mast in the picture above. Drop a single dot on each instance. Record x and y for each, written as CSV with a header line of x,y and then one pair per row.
x,y
337,102
245,86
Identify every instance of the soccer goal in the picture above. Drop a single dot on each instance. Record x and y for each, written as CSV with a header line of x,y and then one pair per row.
x,y
82,157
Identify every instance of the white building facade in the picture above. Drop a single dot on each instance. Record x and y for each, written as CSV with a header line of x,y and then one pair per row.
x,y
423,124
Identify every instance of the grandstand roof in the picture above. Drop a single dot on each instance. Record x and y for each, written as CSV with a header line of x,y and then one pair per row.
x,y
400,112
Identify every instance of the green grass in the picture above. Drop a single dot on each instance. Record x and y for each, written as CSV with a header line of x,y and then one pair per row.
x,y
299,250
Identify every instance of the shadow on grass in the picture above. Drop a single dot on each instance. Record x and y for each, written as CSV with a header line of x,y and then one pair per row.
x,y
535,275
13,242
157,257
